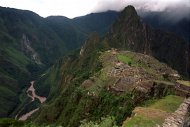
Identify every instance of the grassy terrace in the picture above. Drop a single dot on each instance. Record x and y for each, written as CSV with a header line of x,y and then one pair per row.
x,y
155,113
186,83
125,59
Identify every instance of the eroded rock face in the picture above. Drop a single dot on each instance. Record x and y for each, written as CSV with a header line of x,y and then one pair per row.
x,y
26,48
87,83
180,117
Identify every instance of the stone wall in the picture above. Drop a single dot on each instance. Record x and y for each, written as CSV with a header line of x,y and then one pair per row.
x,y
179,117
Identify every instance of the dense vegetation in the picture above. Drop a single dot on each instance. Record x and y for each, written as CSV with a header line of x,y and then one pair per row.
x,y
30,44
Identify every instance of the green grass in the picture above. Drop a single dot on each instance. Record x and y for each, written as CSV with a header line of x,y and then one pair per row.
x,y
183,82
7,122
5,92
13,75
170,103
146,117
155,113
7,100
17,57
124,59
140,121
128,59
103,75
104,122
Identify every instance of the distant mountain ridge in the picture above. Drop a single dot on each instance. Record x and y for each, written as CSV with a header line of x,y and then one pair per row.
x,y
30,44
78,29
163,20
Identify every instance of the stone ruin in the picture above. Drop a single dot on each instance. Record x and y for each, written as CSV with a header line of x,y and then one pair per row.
x,y
180,118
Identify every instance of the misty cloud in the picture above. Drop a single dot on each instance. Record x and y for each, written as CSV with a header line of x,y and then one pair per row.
x,y
73,8
173,9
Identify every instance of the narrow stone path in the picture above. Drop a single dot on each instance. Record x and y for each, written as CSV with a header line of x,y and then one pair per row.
x,y
177,119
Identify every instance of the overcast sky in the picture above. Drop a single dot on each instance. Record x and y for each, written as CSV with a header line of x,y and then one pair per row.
x,y
74,8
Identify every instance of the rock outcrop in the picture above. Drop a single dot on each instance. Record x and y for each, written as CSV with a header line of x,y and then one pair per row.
x,y
26,48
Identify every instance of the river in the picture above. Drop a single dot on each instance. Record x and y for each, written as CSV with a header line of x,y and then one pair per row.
x,y
32,94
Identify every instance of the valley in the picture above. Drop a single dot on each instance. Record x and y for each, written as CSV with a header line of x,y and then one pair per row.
x,y
31,44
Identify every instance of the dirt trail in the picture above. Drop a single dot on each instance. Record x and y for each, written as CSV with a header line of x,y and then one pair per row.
x,y
31,93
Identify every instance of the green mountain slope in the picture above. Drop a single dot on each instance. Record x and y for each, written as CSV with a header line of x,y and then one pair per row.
x,y
29,45
29,29
96,22
67,31
13,74
24,50
75,31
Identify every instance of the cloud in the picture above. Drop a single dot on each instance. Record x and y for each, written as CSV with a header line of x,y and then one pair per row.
x,y
69,8
174,9
110,5
73,8
150,5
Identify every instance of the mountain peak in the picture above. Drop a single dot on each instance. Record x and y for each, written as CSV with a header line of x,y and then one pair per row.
x,y
127,18
129,11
